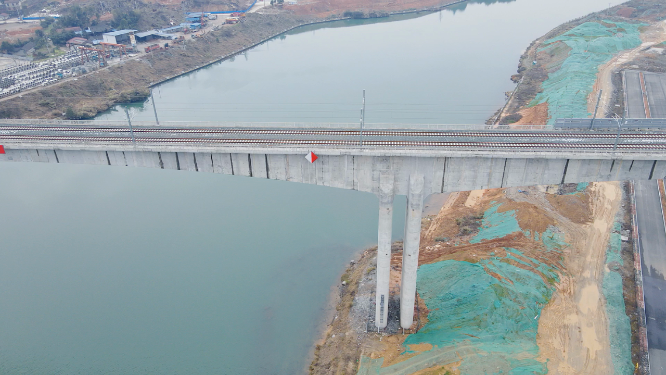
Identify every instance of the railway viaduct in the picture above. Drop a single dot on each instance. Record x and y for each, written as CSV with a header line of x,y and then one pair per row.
x,y
385,162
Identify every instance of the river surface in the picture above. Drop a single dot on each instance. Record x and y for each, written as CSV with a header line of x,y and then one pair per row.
x,y
138,271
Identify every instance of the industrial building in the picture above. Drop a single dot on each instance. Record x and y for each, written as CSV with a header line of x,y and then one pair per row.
x,y
118,37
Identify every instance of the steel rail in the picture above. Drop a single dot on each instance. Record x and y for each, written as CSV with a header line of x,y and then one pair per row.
x,y
368,133
310,142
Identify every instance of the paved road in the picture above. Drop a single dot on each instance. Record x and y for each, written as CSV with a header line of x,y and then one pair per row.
x,y
653,256
634,94
655,85
653,88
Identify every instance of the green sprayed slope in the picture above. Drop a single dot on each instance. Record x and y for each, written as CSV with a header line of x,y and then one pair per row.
x,y
487,313
592,44
498,317
619,326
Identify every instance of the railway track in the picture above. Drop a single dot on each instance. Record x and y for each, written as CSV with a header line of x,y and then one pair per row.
x,y
339,133
324,142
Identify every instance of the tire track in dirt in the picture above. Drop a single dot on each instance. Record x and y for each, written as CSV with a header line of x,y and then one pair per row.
x,y
573,329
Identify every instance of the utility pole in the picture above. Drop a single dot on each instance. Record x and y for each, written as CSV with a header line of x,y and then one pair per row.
x,y
362,119
152,98
130,126
595,109
620,122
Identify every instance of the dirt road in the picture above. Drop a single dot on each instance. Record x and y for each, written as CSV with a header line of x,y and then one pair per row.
x,y
573,329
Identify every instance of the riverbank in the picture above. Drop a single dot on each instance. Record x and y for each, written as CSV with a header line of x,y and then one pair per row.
x,y
539,280
130,81
556,81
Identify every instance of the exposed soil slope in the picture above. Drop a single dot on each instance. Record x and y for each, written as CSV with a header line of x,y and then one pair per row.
x,y
531,75
559,236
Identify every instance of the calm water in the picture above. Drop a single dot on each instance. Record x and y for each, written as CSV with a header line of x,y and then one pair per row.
x,y
135,271
447,67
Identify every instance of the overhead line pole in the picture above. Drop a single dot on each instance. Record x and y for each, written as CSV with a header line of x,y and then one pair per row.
x,y
362,119
152,98
595,109
130,126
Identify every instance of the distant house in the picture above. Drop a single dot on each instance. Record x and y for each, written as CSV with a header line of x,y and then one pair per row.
x,y
75,30
145,36
77,41
12,5
173,29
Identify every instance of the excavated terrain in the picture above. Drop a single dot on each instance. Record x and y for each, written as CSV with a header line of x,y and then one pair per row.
x,y
538,280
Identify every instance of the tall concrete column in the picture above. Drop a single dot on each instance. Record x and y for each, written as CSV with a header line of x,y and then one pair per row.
x,y
385,235
410,251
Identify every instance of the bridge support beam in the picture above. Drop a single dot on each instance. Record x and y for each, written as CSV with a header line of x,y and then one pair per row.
x,y
385,234
410,249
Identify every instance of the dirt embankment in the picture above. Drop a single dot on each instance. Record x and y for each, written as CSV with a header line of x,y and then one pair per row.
x,y
364,8
129,81
536,64
575,326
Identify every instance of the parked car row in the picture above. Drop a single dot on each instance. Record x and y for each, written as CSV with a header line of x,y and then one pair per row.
x,y
16,79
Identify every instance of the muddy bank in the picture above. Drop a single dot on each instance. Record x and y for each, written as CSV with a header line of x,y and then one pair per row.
x,y
544,59
538,280
129,81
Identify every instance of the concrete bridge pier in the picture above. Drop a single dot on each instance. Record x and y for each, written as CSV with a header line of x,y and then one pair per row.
x,y
410,248
385,228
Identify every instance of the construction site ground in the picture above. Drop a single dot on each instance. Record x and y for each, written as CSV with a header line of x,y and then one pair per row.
x,y
537,102
510,281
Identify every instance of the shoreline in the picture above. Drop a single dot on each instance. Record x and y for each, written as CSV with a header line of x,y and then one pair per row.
x,y
131,80
330,308
432,205
244,49
346,348
535,66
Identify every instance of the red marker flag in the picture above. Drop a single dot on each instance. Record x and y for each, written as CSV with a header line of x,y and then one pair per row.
x,y
311,157
2,150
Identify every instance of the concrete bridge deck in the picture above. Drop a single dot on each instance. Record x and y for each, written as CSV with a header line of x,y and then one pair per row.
x,y
386,162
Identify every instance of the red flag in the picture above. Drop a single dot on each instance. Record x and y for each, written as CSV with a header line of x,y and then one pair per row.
x,y
2,150
311,157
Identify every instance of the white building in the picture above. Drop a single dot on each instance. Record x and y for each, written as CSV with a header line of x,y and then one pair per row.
x,y
118,37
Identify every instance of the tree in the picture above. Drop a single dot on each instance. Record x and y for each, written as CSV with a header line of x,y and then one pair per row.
x,y
40,39
75,16
46,22
6,47
126,20
71,115
61,38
